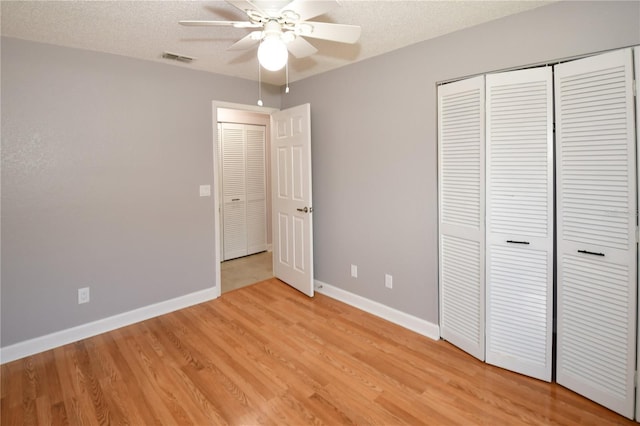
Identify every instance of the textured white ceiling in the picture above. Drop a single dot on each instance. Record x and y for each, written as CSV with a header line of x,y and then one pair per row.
x,y
145,29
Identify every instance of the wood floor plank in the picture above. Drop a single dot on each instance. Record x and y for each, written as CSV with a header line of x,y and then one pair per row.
x,y
266,354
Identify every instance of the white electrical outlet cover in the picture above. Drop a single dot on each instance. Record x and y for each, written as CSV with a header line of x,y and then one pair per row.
x,y
83,295
388,281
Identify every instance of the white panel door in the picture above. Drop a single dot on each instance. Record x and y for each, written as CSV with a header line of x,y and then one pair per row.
x,y
461,213
256,190
636,56
291,196
233,159
519,250
596,220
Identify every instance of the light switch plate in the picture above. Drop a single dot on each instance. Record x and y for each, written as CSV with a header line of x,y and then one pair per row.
x,y
205,190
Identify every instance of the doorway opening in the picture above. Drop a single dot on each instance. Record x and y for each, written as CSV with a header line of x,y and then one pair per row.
x,y
240,271
291,225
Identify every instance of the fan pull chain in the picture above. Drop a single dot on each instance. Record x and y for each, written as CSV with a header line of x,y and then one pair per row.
x,y
286,89
259,85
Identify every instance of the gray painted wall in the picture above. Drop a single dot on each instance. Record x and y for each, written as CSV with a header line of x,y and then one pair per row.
x,y
102,158
374,142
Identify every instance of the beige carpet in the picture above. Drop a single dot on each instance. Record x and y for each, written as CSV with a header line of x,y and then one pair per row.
x,y
244,271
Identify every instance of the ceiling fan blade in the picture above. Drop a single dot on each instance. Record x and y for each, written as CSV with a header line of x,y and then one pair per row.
x,y
301,48
306,9
246,5
247,42
327,31
236,24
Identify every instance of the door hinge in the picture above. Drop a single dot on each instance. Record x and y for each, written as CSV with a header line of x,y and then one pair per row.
x,y
635,378
637,235
635,88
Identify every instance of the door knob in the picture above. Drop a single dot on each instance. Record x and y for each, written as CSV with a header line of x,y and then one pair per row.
x,y
305,210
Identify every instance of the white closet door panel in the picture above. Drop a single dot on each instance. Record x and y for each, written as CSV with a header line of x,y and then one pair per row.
x,y
233,191
636,56
233,162
519,282
519,153
460,271
219,189
235,231
256,226
461,202
256,190
597,257
519,303
255,171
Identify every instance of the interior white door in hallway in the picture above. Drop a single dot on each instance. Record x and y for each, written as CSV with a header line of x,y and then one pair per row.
x,y
291,197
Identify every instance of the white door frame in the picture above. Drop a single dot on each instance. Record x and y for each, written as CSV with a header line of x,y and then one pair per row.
x,y
216,176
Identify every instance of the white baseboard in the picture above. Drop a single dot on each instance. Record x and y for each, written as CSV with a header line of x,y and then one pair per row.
x,y
70,335
402,319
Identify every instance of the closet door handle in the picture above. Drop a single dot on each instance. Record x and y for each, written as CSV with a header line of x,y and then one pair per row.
x,y
235,199
518,242
591,252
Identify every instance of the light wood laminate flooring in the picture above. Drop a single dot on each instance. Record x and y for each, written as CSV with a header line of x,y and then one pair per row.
x,y
267,354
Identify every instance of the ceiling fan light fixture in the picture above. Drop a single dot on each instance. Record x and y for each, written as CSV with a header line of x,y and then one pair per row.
x,y
272,53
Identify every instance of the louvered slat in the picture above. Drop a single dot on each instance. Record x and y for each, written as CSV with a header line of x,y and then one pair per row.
x,y
461,201
520,208
596,193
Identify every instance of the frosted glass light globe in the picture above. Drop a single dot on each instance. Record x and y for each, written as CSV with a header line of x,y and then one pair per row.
x,y
272,53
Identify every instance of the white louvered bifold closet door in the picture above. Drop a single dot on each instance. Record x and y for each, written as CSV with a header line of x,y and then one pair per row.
x,y
234,213
596,220
519,250
636,56
461,195
256,190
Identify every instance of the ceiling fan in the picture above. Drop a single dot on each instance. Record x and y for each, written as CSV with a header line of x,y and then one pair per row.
x,y
281,27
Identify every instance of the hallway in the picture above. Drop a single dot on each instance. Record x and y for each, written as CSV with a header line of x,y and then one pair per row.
x,y
244,271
